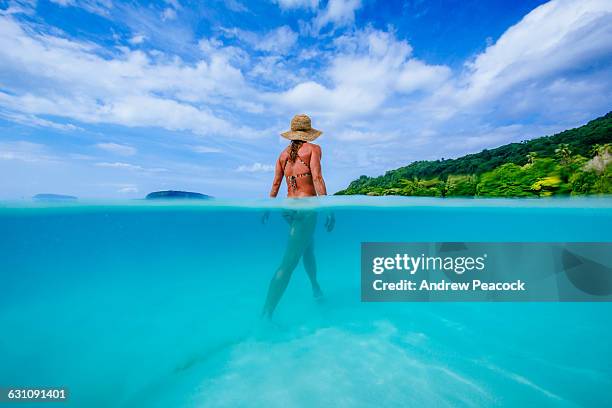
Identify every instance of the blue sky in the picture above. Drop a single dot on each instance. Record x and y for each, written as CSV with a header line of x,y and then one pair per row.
x,y
110,99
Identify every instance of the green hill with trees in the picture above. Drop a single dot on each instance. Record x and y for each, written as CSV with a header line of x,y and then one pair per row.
x,y
575,161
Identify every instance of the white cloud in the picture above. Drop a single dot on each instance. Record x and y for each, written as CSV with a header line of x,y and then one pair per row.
x,y
309,53
63,3
206,149
31,120
130,167
174,3
125,89
559,52
168,14
378,60
417,75
236,6
25,7
137,39
25,151
128,189
337,12
116,148
557,39
256,168
370,68
119,165
276,71
100,7
279,40
295,4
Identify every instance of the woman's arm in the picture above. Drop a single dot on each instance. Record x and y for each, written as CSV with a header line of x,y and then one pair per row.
x,y
278,179
315,168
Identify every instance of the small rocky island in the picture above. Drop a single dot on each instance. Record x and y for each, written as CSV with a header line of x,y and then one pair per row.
x,y
172,194
53,197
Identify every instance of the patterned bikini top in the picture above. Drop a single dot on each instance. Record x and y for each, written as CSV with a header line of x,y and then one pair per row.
x,y
292,180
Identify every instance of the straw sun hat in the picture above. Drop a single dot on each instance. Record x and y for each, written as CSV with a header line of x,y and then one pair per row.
x,y
301,129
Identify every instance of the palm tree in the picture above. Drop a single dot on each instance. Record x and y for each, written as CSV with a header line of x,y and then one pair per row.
x,y
601,150
596,150
563,153
531,156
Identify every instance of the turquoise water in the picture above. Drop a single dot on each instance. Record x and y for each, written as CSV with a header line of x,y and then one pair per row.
x,y
140,304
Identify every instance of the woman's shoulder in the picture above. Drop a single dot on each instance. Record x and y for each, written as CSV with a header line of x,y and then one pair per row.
x,y
314,146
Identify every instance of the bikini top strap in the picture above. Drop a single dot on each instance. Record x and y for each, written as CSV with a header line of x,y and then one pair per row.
x,y
303,162
298,156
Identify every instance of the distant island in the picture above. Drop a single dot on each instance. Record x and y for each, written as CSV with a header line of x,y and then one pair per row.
x,y
53,197
577,161
171,194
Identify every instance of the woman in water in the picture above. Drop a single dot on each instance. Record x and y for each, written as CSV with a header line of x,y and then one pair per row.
x,y
300,165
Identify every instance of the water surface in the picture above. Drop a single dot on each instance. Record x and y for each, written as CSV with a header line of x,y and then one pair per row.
x,y
157,304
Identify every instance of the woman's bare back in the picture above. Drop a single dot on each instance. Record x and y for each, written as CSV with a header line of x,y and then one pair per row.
x,y
304,178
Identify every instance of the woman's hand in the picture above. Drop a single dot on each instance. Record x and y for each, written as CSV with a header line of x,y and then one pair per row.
x,y
330,221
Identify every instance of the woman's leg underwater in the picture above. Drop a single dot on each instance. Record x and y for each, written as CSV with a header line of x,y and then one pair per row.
x,y
300,237
310,266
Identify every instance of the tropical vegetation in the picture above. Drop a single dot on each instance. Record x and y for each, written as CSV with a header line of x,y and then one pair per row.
x,y
576,161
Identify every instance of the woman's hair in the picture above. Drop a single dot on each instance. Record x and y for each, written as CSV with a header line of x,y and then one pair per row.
x,y
293,151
